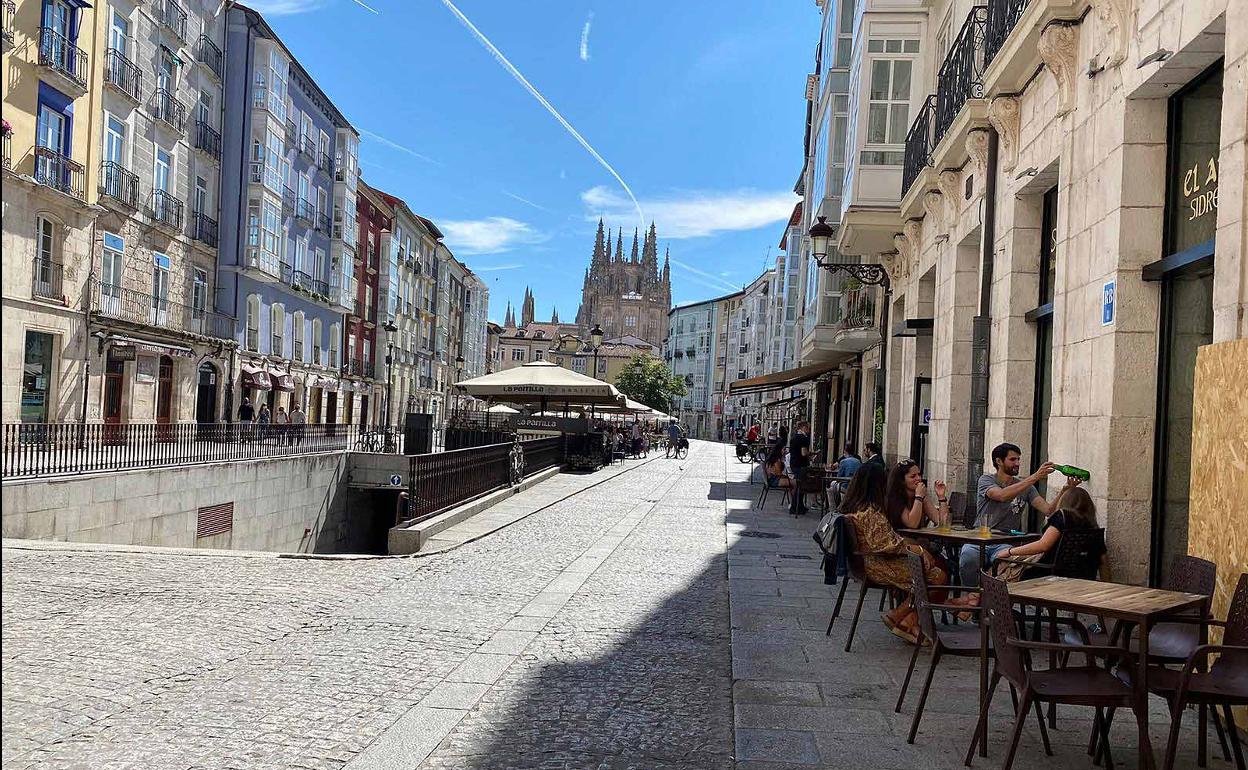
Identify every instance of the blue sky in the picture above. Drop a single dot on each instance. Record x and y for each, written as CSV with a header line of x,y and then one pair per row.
x,y
697,106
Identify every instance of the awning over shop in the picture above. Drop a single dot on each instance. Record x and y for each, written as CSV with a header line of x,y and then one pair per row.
x,y
783,401
256,377
777,380
151,346
282,380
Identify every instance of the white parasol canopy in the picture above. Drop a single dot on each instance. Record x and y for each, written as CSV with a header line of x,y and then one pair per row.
x,y
629,406
502,409
542,382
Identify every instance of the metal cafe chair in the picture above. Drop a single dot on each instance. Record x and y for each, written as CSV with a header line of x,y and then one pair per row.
x,y
858,571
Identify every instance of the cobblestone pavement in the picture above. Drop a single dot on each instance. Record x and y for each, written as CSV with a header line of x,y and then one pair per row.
x,y
150,660
656,620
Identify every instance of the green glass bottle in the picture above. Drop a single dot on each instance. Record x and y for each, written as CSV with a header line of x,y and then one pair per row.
x,y
1070,470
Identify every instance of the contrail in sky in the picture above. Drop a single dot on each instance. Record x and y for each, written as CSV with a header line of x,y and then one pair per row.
x,y
585,37
368,8
515,73
710,279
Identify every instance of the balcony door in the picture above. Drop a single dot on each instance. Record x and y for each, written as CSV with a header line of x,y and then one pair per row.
x,y
164,399
50,133
114,157
119,34
165,72
110,276
57,17
160,291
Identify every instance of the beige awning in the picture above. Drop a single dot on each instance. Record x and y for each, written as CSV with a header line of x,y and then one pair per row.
x,y
539,381
777,380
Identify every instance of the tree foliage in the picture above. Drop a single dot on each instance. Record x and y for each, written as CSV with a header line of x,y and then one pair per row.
x,y
648,380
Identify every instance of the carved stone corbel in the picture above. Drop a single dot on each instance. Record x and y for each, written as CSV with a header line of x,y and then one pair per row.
x,y
950,183
934,206
1003,115
891,262
977,149
901,266
912,231
1058,48
1115,15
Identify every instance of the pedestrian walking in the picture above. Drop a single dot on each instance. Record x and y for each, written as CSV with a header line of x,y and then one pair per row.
x,y
298,421
246,417
263,421
799,459
281,425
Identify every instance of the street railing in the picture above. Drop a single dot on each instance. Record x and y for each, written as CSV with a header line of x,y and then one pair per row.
x,y
441,480
31,450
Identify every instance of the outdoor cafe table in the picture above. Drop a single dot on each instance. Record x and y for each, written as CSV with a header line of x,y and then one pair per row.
x,y
1132,605
957,536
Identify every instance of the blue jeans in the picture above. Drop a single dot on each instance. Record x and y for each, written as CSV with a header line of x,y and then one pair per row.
x,y
968,562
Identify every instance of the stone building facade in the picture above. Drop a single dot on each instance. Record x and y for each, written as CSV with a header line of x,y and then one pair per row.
x,y
1082,230
626,295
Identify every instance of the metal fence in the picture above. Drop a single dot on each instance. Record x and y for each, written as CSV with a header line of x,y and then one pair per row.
x,y
444,479
31,450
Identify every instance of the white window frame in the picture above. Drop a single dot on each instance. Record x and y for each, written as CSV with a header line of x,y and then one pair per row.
x,y
277,329
252,336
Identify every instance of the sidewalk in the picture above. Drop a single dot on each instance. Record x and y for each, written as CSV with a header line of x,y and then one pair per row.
x,y
801,701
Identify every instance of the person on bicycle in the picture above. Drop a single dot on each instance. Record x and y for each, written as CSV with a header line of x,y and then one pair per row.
x,y
673,436
752,435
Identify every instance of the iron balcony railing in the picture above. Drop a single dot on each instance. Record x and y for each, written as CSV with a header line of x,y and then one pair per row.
x,y
857,310
359,367
6,148
119,184
322,223
167,109
961,76
8,9
305,210
1002,17
122,73
141,308
165,210
207,139
173,17
204,228
307,145
34,450
919,144
288,200
326,163
292,131
59,172
209,54
46,279
59,53
307,281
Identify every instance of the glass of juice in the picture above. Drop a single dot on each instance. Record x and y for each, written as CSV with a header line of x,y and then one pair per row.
x,y
984,531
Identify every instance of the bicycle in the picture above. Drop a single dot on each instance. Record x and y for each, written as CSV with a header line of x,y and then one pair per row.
x,y
680,450
371,441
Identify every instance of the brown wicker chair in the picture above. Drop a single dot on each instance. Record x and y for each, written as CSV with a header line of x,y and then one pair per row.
x,y
1078,686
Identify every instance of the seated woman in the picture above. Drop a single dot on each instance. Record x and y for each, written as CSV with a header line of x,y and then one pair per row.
x,y
775,466
1077,513
906,502
883,551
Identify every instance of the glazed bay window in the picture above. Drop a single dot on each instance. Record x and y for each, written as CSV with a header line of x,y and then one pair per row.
x,y
888,109
264,228
277,86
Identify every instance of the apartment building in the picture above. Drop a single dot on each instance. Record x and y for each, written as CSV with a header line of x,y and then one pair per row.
x,y
286,269
1072,214
476,311
367,342
690,351
51,79
160,349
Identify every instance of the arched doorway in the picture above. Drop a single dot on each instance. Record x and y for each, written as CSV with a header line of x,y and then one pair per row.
x,y
164,399
206,398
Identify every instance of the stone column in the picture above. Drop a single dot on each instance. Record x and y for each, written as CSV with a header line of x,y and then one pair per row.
x,y
957,298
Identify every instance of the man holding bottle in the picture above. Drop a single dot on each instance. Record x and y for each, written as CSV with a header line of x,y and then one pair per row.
x,y
1001,499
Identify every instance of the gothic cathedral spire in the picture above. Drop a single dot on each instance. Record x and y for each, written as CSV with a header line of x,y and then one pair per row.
x,y
526,311
601,250
509,321
634,257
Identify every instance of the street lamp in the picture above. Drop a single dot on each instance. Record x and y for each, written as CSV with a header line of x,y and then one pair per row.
x,y
390,329
595,339
459,375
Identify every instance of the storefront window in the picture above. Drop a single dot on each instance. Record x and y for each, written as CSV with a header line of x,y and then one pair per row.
x,y
36,377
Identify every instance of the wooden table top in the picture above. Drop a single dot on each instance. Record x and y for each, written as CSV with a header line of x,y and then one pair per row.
x,y
1114,600
962,535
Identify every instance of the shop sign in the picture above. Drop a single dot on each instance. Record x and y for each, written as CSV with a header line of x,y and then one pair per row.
x,y
558,424
1200,189
122,352
146,369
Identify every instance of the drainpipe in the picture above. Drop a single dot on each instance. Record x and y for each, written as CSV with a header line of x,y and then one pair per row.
x,y
86,337
982,327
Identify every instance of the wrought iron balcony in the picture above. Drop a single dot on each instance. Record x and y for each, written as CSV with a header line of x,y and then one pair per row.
x,y
307,146
288,200
919,144
322,223
59,172
207,139
165,210
1002,17
326,163
46,279
359,367
7,157
292,131
306,281
8,9
204,228
173,17
118,183
168,110
209,54
305,210
122,74
961,77
59,54
144,309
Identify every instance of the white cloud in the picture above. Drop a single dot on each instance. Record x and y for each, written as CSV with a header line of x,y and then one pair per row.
x,y
285,7
585,37
694,214
492,235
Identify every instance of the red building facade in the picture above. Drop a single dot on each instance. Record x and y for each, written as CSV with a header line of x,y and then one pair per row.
x,y
362,364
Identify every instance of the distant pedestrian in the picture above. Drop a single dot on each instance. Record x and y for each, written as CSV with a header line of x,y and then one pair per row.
x,y
281,423
298,422
263,420
799,459
873,453
636,438
246,416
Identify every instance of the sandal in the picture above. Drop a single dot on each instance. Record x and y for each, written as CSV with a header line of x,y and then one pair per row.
x,y
905,634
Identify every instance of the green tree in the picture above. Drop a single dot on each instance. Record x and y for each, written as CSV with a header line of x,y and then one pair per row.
x,y
648,380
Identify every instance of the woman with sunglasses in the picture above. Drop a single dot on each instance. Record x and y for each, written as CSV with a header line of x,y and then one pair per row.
x,y
883,550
